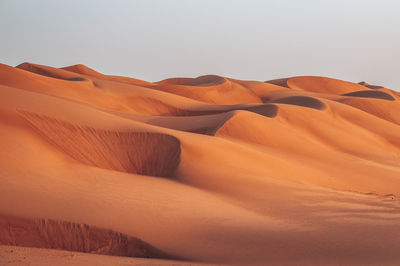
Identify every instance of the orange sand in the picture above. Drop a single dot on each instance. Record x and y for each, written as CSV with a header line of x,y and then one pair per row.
x,y
302,170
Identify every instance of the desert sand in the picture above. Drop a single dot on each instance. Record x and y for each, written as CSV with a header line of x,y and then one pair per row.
x,y
214,170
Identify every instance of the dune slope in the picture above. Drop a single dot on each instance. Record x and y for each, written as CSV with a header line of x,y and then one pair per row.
x,y
44,233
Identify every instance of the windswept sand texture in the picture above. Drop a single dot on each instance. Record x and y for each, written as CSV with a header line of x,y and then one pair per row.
x,y
142,153
43,233
300,170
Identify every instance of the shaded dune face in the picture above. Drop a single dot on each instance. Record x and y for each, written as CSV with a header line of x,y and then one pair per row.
x,y
371,94
268,110
144,153
76,79
280,82
161,109
207,80
45,233
304,101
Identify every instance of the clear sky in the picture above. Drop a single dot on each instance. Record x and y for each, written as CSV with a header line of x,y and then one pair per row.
x,y
348,39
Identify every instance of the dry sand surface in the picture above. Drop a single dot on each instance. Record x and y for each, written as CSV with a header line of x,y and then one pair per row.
x,y
11,255
302,170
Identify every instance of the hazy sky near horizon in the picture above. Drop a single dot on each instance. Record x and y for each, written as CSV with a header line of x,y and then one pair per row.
x,y
259,40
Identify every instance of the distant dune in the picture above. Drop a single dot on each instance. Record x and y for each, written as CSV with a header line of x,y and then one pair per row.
x,y
299,170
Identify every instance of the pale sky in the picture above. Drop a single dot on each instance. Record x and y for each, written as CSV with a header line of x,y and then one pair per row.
x,y
257,40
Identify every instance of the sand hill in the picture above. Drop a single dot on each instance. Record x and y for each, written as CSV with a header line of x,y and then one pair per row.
x,y
300,170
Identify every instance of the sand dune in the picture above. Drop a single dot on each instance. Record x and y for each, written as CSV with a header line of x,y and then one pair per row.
x,y
300,170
